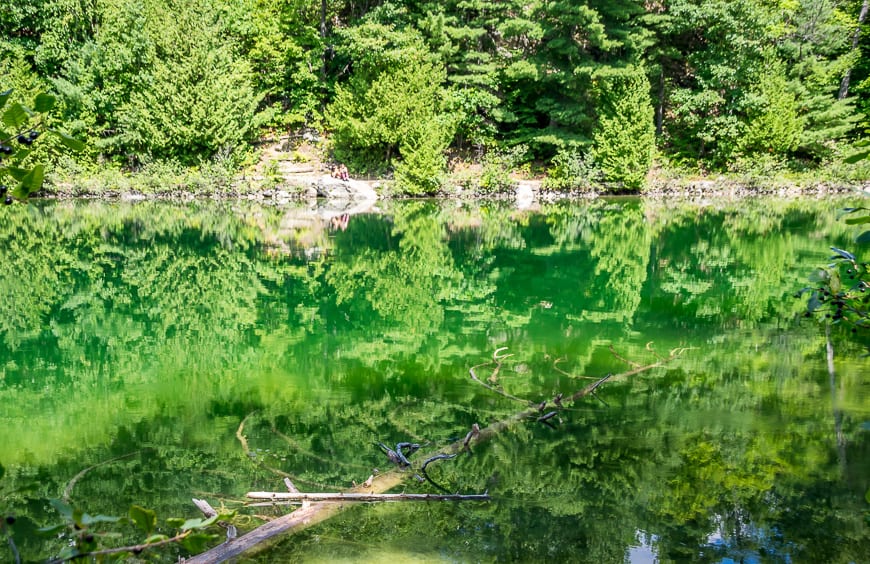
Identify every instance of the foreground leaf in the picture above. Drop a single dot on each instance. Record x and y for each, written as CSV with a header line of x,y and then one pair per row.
x,y
68,141
16,116
145,519
44,102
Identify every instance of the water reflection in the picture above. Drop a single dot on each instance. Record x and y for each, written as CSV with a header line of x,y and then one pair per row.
x,y
135,339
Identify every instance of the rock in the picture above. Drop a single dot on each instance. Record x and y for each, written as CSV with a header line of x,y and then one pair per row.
x,y
524,195
335,189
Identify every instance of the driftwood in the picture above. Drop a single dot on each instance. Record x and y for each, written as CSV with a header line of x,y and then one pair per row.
x,y
312,513
341,496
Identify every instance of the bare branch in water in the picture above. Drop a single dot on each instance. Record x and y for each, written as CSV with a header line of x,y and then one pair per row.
x,y
623,359
67,491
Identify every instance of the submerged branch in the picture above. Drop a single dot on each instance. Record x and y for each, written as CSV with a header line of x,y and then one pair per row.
x,y
67,490
319,511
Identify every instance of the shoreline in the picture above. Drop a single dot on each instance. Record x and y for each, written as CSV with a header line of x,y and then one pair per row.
x,y
525,193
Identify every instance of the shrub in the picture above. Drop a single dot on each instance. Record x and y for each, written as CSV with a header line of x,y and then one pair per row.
x,y
624,141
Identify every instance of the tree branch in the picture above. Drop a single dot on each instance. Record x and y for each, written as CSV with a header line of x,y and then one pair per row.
x,y
364,497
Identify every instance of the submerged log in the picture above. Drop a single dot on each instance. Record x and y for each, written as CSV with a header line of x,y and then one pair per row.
x,y
313,513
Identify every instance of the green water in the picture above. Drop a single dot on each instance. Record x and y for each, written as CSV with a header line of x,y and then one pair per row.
x,y
136,338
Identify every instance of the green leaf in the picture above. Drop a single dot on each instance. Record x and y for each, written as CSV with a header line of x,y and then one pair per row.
x,y
16,116
68,553
175,522
17,173
44,102
863,238
3,97
197,543
155,538
68,141
813,303
33,181
50,529
858,220
91,519
199,523
65,510
145,519
819,275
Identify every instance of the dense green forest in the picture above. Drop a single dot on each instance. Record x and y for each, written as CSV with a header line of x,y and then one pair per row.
x,y
586,91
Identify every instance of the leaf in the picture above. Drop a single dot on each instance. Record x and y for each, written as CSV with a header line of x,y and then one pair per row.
x,y
858,220
155,538
3,97
16,116
175,522
68,553
199,523
813,303
91,519
51,529
863,238
65,510
33,181
68,141
843,254
819,275
17,173
197,543
43,102
145,519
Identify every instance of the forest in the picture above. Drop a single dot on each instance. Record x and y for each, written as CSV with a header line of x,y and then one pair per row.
x,y
575,92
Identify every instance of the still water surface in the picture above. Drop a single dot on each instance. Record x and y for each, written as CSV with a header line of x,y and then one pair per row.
x,y
135,339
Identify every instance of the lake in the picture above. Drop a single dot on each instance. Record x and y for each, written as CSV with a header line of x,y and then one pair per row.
x,y
152,352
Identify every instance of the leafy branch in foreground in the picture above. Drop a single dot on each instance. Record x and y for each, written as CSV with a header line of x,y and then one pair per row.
x,y
85,537
21,127
841,291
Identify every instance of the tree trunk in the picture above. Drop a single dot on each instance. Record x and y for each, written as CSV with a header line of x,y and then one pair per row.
x,y
844,85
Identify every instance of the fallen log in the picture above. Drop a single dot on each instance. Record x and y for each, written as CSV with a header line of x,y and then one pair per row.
x,y
313,513
367,497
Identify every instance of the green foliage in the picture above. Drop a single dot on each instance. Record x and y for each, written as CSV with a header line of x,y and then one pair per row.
x,y
392,107
624,139
840,292
21,129
571,169
158,80
498,164
774,125
187,81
